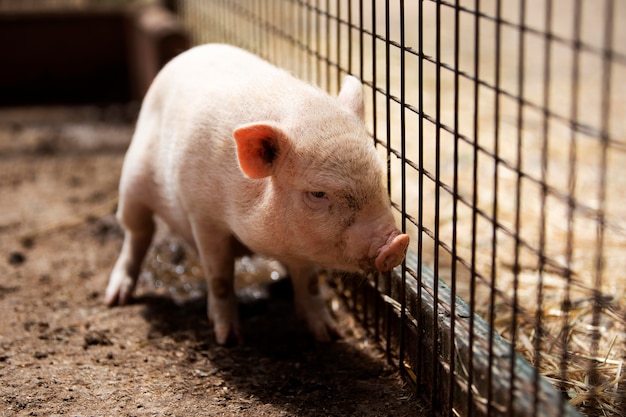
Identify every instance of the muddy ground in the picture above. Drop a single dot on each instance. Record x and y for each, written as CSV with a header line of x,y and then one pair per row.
x,y
62,352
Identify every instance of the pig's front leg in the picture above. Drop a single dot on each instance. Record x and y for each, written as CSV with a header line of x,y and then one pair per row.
x,y
310,305
216,254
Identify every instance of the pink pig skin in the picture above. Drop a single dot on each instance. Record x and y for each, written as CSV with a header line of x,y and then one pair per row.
x,y
230,151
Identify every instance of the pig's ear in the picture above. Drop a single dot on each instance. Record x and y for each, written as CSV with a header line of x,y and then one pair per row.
x,y
351,96
258,147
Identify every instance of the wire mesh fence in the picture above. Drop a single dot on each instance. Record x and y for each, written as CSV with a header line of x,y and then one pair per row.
x,y
502,125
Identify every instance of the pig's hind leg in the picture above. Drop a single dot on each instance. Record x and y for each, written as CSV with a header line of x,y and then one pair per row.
x,y
139,226
310,304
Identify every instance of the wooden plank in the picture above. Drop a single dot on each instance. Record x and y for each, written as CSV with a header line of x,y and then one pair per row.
x,y
433,346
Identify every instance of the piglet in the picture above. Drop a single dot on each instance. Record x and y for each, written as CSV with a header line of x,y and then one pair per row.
x,y
232,152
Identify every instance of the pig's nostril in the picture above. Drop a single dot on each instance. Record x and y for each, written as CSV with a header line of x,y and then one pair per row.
x,y
393,254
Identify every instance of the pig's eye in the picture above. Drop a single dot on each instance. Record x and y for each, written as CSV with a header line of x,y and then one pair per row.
x,y
316,200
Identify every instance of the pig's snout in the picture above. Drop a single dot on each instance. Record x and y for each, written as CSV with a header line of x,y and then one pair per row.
x,y
392,253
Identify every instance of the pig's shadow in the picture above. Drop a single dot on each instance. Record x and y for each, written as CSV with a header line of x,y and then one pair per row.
x,y
279,363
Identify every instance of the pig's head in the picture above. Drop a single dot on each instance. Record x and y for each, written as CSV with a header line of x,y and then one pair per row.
x,y
323,186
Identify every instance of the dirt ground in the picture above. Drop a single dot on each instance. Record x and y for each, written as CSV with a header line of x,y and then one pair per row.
x,y
62,352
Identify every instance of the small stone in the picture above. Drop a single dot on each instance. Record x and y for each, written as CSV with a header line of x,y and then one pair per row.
x,y
17,258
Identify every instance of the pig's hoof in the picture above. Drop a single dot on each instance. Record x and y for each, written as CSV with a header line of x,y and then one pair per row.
x,y
227,334
225,319
121,298
120,289
324,329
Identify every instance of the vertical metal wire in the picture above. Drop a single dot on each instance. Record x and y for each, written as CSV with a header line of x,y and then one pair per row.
x,y
300,33
303,27
338,43
285,52
494,214
254,28
265,43
474,243
223,22
437,397
388,152
518,195
569,250
455,193
547,68
203,21
272,41
361,40
216,29
388,97
297,52
230,23
605,109
403,307
207,21
318,62
420,188
366,311
327,52
349,68
375,131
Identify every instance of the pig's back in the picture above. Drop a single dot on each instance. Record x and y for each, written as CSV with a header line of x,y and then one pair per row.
x,y
205,93
218,75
